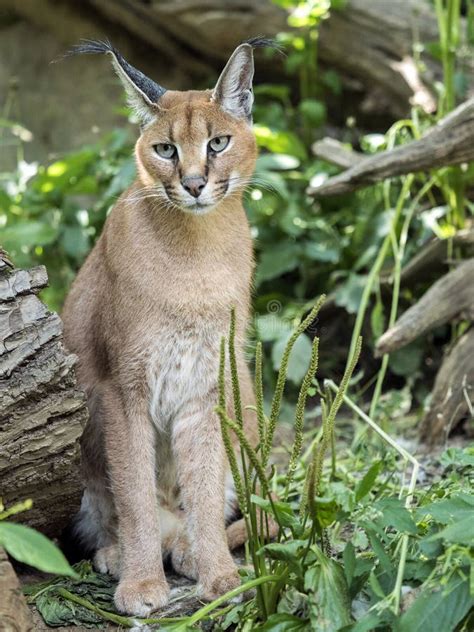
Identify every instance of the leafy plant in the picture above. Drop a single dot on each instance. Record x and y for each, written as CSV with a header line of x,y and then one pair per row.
x,y
29,546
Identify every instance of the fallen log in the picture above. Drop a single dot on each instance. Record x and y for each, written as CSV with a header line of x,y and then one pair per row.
x,y
452,398
42,412
449,142
450,297
435,254
336,153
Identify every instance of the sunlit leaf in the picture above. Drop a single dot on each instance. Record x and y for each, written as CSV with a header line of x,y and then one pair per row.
x,y
33,548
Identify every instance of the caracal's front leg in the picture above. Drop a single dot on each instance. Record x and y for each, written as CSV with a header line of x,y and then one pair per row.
x,y
130,447
201,462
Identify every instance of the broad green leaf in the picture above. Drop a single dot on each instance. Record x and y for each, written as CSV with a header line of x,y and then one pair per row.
x,y
349,560
438,609
57,611
458,457
30,547
407,361
287,551
277,260
349,294
323,250
395,515
28,234
75,241
449,510
123,178
284,513
299,357
272,326
461,532
314,111
383,558
366,484
330,604
283,622
279,142
326,511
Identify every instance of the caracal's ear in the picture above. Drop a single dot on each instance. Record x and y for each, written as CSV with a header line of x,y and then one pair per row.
x,y
143,94
233,89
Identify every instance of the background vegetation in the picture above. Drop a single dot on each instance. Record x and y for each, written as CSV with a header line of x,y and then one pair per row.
x,y
358,549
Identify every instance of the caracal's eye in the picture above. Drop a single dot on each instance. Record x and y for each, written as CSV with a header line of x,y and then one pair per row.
x,y
165,150
218,143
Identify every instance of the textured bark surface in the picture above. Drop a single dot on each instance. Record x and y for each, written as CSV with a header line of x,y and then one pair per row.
x,y
435,254
450,297
452,398
14,613
42,412
447,143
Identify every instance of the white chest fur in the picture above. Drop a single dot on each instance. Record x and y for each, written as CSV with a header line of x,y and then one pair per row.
x,y
182,370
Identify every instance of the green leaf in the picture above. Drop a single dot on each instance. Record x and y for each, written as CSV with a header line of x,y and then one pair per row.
x,y
449,510
406,361
366,484
329,595
349,559
314,111
377,546
75,241
299,358
438,609
280,142
287,551
395,515
461,532
284,513
377,320
30,547
123,178
349,294
458,457
323,250
57,611
283,622
28,234
278,259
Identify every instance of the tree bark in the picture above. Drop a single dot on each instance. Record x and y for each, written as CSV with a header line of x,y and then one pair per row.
x,y
452,398
14,613
449,297
449,142
42,412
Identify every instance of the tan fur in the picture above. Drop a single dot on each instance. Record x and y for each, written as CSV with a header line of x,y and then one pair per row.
x,y
145,316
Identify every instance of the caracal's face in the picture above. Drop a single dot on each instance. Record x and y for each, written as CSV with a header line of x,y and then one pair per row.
x,y
194,155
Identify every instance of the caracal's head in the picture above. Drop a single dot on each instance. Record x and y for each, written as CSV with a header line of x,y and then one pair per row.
x,y
196,148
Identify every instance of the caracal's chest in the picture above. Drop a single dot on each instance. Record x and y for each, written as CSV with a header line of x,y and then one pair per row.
x,y
182,369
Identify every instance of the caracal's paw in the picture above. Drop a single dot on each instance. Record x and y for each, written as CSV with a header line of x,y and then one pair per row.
x,y
211,588
181,558
107,560
140,597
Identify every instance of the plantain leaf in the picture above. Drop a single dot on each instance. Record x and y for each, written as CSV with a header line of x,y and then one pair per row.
x,y
438,609
30,547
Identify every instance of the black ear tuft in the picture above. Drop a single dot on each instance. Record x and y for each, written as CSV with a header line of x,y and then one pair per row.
x,y
264,42
143,93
